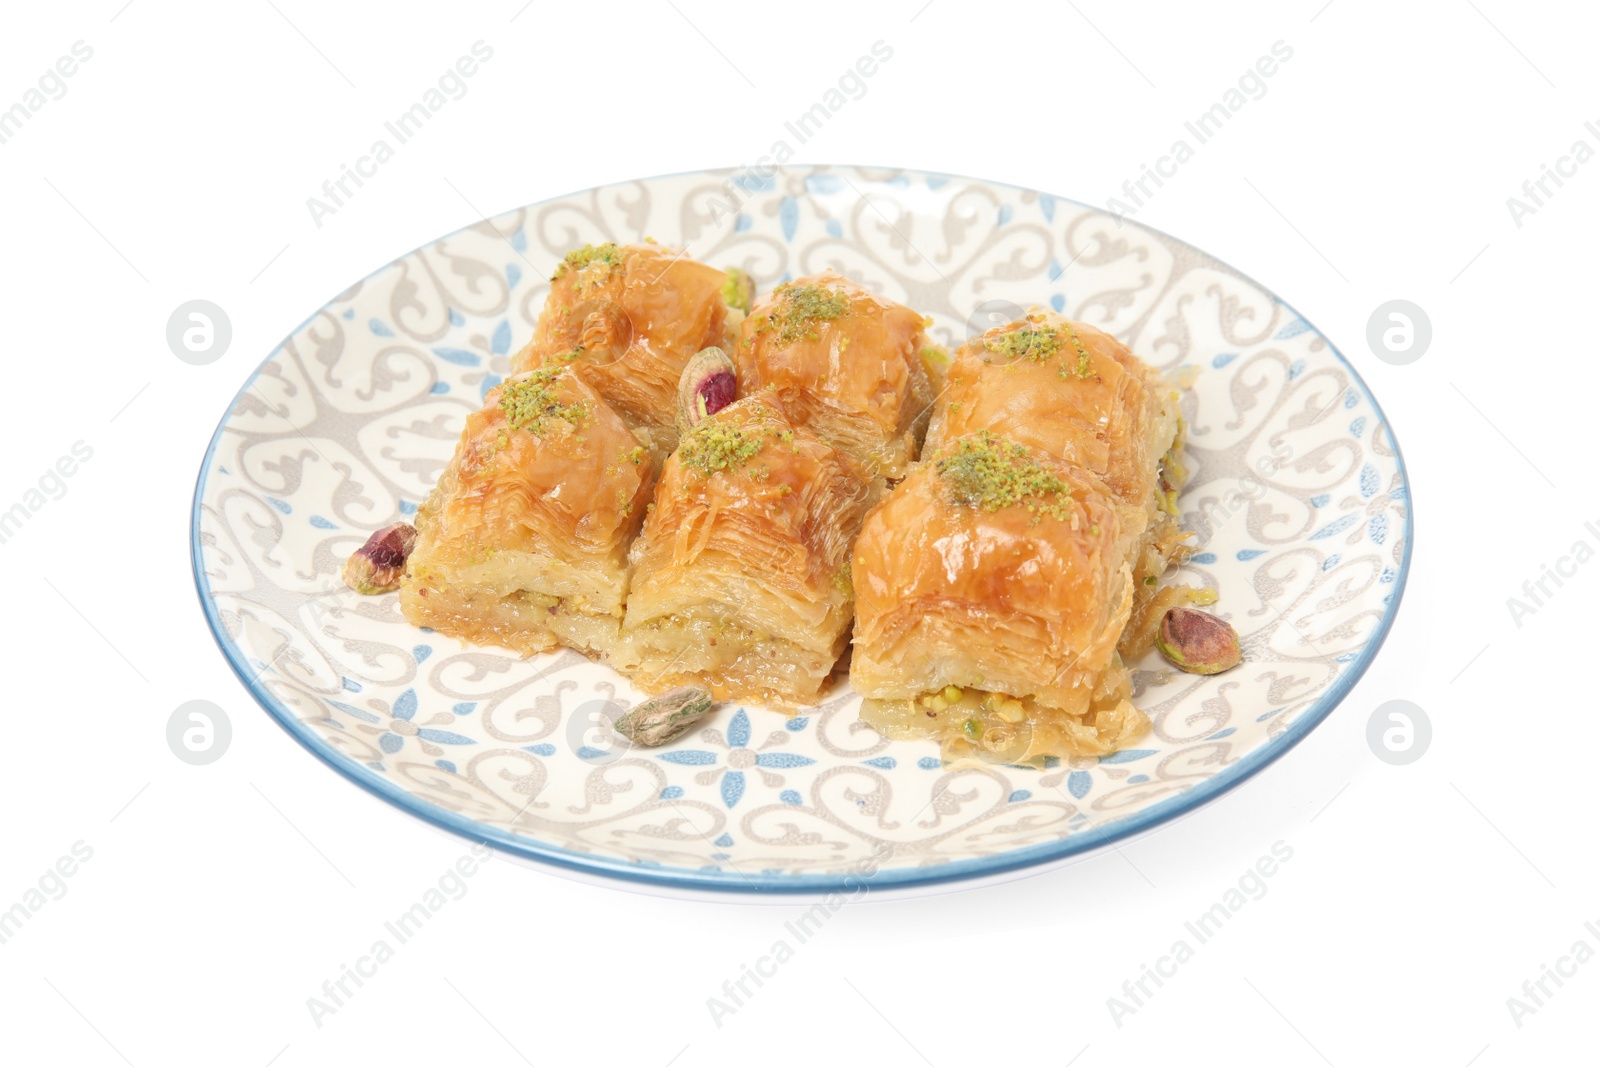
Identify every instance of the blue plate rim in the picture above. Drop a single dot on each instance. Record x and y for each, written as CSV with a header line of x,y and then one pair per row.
x,y
810,885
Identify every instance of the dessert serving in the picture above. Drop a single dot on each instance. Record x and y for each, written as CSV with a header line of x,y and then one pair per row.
x,y
867,522
712,491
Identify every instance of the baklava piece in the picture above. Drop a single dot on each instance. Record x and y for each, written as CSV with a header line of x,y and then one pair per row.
x,y
742,581
524,541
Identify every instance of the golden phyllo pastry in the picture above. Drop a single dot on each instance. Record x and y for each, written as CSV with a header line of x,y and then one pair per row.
x,y
991,587
1080,395
627,318
843,362
742,571
1069,390
524,541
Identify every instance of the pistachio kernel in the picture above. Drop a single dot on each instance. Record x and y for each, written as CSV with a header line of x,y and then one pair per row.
x,y
738,289
665,718
377,566
1198,642
708,384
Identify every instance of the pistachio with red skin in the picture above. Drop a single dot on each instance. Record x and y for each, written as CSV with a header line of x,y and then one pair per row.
x,y
1198,642
708,384
377,566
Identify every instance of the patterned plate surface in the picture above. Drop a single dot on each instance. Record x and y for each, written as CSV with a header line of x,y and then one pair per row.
x,y
1299,499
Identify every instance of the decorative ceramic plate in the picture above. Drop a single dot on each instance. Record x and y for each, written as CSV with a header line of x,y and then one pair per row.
x,y
1299,502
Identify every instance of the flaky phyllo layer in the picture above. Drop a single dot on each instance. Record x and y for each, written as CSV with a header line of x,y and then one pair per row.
x,y
524,541
995,584
741,580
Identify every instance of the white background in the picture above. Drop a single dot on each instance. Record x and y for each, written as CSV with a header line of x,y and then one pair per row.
x,y
219,898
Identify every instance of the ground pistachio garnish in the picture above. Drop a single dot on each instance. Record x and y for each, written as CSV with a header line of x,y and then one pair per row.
x,y
1083,367
1036,343
666,717
990,472
531,401
579,258
715,446
1040,344
800,308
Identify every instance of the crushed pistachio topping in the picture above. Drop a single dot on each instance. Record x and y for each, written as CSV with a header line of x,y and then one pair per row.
x,y
800,308
1034,343
990,472
716,446
634,455
578,258
530,402
1083,366
1040,344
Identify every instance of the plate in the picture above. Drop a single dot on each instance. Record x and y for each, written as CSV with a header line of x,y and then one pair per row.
x,y
1299,500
